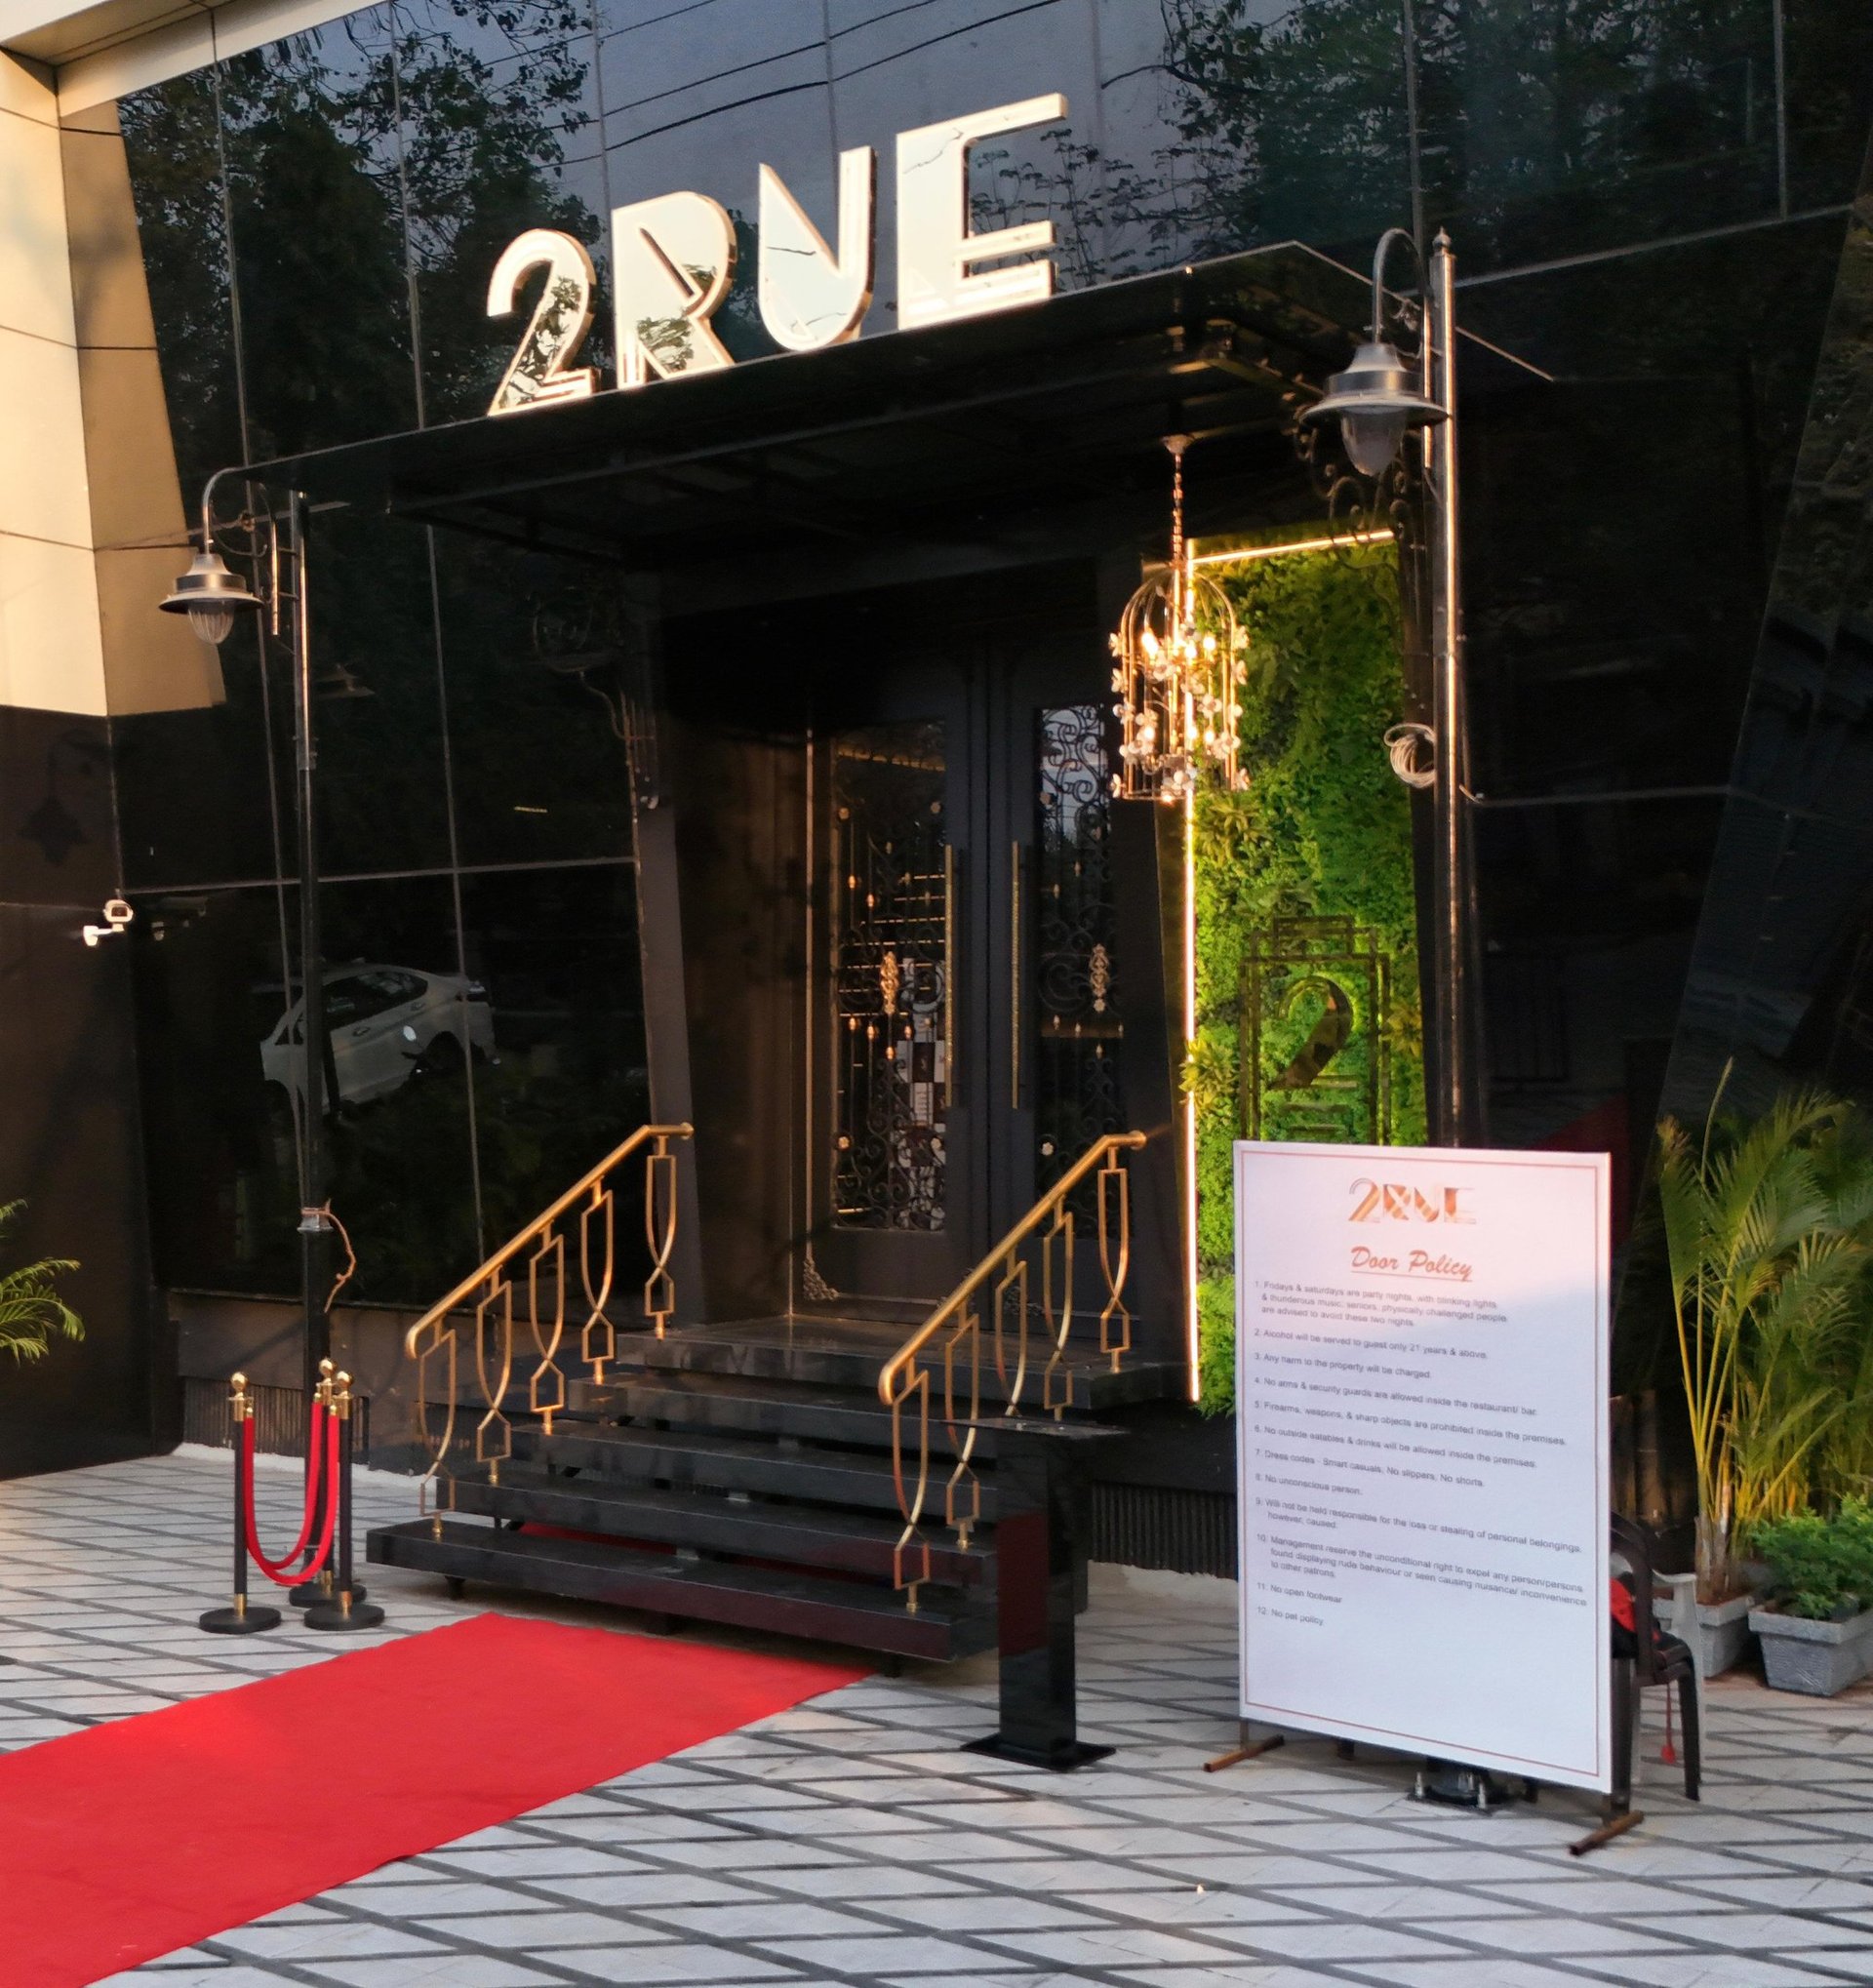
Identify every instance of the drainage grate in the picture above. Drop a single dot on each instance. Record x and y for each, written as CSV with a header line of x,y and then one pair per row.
x,y
279,1418
1187,1532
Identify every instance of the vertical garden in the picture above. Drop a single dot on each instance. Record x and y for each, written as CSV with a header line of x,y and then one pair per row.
x,y
1308,1018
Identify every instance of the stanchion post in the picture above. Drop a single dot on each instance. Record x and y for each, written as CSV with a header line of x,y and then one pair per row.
x,y
319,1587
240,1618
347,1609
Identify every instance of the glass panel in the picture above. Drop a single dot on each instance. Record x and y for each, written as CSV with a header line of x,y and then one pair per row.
x,y
224,1180
1077,1097
557,952
500,132
379,716
400,1160
540,658
315,197
892,952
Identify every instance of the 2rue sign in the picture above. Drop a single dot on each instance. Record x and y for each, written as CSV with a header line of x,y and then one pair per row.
x,y
673,264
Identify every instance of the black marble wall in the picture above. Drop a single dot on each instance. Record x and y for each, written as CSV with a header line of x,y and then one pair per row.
x,y
70,1134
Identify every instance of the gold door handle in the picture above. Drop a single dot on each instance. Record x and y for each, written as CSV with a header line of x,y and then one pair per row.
x,y
1014,975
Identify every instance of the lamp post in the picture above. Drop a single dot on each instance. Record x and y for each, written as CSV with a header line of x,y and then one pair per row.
x,y
213,598
1380,400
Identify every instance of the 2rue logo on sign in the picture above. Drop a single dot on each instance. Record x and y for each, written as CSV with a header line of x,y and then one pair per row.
x,y
1392,1201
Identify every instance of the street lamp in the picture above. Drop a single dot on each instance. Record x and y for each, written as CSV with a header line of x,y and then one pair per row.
x,y
1377,402
209,595
213,596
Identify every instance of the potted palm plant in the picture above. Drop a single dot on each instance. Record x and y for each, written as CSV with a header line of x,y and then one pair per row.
x,y
1766,1229
32,1314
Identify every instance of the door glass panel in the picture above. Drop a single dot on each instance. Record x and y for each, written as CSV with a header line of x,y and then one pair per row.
x,y
1077,1097
892,950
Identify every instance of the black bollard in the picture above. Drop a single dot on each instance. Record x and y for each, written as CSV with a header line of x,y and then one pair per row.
x,y
238,1619
1036,1545
347,1609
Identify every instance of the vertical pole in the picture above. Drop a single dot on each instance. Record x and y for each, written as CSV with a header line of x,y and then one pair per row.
x,y
346,1608
240,1618
242,1428
344,1493
314,1224
1453,1105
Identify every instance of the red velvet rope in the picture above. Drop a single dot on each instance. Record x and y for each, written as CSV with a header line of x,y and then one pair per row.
x,y
275,1569
312,1479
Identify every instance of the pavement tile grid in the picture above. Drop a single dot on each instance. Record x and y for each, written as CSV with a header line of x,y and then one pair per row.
x,y
847,1841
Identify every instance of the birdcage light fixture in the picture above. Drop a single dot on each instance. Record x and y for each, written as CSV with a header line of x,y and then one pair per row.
x,y
1178,667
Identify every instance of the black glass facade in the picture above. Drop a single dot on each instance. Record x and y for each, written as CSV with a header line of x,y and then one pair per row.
x,y
1649,203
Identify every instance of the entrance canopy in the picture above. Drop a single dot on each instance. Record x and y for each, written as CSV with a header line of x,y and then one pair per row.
x,y
979,443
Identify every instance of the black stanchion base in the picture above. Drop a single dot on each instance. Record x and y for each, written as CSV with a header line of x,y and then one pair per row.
x,y
310,1592
1077,1753
332,1614
248,1621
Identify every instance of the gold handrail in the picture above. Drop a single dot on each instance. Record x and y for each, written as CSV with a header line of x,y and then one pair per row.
x,y
906,1377
491,1292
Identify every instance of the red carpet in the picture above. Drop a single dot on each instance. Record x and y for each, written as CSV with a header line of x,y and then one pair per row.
x,y
136,1838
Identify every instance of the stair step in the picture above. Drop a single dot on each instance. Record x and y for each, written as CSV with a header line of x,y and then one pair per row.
x,y
743,1405
802,1536
691,1460
786,1602
852,1353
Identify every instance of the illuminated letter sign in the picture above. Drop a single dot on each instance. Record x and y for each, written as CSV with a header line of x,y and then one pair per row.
x,y
561,319
673,265
935,248
810,297
673,260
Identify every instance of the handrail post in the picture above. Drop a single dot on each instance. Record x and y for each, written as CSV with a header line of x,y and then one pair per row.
x,y
1037,1552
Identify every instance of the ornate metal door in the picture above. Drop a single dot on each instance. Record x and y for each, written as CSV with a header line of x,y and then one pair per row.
x,y
971,992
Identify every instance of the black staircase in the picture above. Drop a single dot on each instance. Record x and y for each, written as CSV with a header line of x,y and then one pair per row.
x,y
742,1474
786,1474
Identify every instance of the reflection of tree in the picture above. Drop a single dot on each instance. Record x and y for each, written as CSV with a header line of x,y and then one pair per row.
x,y
368,176
1543,127
366,165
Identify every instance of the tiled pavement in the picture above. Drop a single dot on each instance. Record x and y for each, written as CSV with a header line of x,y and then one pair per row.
x,y
849,1841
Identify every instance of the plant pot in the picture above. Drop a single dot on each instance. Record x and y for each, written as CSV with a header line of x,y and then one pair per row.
x,y
1817,1658
1721,1632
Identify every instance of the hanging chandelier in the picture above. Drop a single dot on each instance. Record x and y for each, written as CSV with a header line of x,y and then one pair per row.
x,y
1178,669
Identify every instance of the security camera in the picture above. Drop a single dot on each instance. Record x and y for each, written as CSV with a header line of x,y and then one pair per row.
x,y
116,916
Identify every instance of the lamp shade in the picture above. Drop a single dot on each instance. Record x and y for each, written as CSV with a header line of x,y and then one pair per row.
x,y
1375,401
208,594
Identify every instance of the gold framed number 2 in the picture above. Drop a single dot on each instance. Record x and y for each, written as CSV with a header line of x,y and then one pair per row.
x,y
539,372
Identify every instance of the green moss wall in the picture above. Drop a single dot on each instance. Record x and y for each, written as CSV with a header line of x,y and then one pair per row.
x,y
1324,830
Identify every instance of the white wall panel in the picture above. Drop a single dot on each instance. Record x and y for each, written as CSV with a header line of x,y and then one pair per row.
x,y
43,487
188,44
51,650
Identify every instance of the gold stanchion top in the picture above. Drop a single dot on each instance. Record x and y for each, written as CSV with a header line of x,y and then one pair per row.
x,y
237,1401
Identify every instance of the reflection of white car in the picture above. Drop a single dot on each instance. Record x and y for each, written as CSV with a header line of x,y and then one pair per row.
x,y
386,1023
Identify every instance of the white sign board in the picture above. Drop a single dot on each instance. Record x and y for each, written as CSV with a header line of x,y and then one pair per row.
x,y
1421,1400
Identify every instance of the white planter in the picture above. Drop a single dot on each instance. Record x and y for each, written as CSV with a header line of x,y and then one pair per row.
x,y
1719,1635
1818,1658
1723,1633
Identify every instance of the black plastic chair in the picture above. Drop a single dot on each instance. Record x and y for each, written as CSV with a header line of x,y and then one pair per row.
x,y
1655,1658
